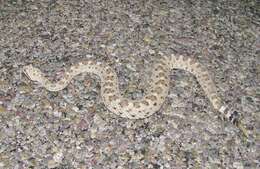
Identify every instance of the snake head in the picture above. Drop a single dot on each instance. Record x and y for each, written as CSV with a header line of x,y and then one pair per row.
x,y
31,72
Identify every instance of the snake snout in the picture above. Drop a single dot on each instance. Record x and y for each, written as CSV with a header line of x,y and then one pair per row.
x,y
31,72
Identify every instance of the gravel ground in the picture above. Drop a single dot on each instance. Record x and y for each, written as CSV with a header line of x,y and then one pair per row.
x,y
73,129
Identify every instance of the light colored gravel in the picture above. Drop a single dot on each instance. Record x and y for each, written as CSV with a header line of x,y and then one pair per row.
x,y
73,129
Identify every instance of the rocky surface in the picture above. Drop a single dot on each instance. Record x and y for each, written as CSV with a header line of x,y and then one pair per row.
x,y
73,129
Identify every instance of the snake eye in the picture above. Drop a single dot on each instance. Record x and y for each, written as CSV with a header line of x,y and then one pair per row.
x,y
25,71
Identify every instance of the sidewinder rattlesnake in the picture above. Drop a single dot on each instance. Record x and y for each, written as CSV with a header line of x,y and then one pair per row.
x,y
152,101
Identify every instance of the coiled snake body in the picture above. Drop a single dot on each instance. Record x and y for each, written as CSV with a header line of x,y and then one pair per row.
x,y
152,101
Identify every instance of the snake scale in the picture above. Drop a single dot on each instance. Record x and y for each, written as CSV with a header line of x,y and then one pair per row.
x,y
154,98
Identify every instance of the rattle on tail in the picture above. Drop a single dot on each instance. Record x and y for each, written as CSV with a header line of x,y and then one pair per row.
x,y
152,101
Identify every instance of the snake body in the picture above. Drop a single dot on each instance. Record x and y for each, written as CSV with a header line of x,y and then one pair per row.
x,y
156,95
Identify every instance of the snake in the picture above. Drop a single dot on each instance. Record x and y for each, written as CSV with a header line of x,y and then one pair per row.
x,y
156,94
